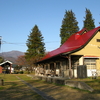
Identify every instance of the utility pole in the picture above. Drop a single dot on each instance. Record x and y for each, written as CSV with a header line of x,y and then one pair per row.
x,y
99,22
0,42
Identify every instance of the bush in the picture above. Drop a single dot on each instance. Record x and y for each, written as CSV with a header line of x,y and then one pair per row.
x,y
21,72
26,72
16,72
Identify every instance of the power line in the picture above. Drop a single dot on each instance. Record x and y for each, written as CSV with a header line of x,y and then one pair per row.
x,y
4,42
52,41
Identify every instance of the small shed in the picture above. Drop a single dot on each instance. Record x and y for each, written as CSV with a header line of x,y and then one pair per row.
x,y
5,67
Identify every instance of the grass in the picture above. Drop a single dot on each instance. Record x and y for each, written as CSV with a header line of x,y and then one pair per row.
x,y
94,83
60,92
14,89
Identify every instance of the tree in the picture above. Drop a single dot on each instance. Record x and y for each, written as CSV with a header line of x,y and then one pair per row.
x,y
1,59
69,26
89,21
21,61
35,45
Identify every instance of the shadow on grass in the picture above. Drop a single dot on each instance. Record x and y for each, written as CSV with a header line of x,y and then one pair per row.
x,y
95,84
61,92
17,90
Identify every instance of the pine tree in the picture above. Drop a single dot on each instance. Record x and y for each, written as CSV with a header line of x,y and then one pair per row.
x,y
1,59
35,44
69,26
89,21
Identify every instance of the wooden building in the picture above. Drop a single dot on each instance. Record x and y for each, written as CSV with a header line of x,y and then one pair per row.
x,y
6,67
79,56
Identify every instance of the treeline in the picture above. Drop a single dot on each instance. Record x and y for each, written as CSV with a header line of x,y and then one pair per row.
x,y
70,24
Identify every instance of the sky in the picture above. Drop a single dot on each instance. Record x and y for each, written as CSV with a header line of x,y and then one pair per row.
x,y
18,17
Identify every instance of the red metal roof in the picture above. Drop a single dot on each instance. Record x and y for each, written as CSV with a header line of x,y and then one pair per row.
x,y
75,42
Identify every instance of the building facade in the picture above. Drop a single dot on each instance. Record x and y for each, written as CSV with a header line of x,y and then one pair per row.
x,y
6,67
79,57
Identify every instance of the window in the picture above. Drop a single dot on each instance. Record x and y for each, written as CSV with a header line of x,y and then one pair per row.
x,y
98,40
90,63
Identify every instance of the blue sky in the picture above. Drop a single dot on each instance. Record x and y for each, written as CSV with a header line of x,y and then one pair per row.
x,y
18,17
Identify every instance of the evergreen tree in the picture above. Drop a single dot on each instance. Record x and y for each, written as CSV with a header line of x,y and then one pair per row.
x,y
1,59
69,26
89,21
35,45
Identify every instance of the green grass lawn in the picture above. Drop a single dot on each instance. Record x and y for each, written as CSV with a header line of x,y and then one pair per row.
x,y
61,92
14,89
94,83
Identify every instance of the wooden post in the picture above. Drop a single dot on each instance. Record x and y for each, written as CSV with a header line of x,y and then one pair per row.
x,y
48,73
10,68
49,66
62,69
44,69
70,71
2,82
54,69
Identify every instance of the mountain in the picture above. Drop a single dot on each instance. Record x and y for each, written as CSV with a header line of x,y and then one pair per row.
x,y
11,55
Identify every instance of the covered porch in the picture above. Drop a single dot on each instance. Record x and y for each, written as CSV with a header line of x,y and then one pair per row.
x,y
59,66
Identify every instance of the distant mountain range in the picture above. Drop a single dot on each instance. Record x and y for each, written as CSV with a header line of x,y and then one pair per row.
x,y
11,55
